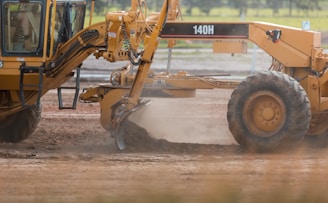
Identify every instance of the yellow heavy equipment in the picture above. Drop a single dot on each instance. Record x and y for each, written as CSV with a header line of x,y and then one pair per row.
x,y
43,44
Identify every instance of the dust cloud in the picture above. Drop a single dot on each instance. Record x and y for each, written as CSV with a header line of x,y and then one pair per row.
x,y
199,119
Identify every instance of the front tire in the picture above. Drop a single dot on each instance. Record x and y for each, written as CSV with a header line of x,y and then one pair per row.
x,y
267,111
21,125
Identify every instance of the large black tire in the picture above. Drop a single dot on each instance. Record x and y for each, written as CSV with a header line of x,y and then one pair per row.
x,y
21,125
268,111
317,136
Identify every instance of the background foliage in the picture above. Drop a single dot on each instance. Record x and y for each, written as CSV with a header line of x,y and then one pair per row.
x,y
295,7
284,12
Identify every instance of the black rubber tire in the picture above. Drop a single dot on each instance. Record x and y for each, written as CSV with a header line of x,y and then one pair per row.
x,y
19,126
316,142
317,135
295,108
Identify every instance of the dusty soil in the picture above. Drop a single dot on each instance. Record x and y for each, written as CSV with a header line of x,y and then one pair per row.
x,y
192,158
188,155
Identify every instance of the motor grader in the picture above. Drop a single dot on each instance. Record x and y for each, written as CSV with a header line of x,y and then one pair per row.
x,y
43,44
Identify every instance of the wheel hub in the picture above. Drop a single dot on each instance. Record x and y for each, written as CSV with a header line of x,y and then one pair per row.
x,y
264,113
268,114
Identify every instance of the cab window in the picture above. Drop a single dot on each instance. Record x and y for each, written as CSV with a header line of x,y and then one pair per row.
x,y
69,20
21,28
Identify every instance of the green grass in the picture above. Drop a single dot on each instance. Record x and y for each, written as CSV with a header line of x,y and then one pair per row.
x,y
318,19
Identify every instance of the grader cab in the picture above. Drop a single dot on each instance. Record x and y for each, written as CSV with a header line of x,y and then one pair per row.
x,y
43,44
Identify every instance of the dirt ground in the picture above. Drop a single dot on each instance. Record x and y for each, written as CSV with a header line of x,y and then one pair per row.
x,y
190,156
71,158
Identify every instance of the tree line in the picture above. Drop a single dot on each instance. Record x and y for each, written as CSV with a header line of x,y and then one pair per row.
x,y
205,6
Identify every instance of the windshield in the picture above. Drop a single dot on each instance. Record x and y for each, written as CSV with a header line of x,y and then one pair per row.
x,y
69,20
21,27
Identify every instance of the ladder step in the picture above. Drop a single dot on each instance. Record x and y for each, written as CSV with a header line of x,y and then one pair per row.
x,y
28,70
76,95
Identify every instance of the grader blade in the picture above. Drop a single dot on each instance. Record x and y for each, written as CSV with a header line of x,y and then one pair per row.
x,y
120,119
119,136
